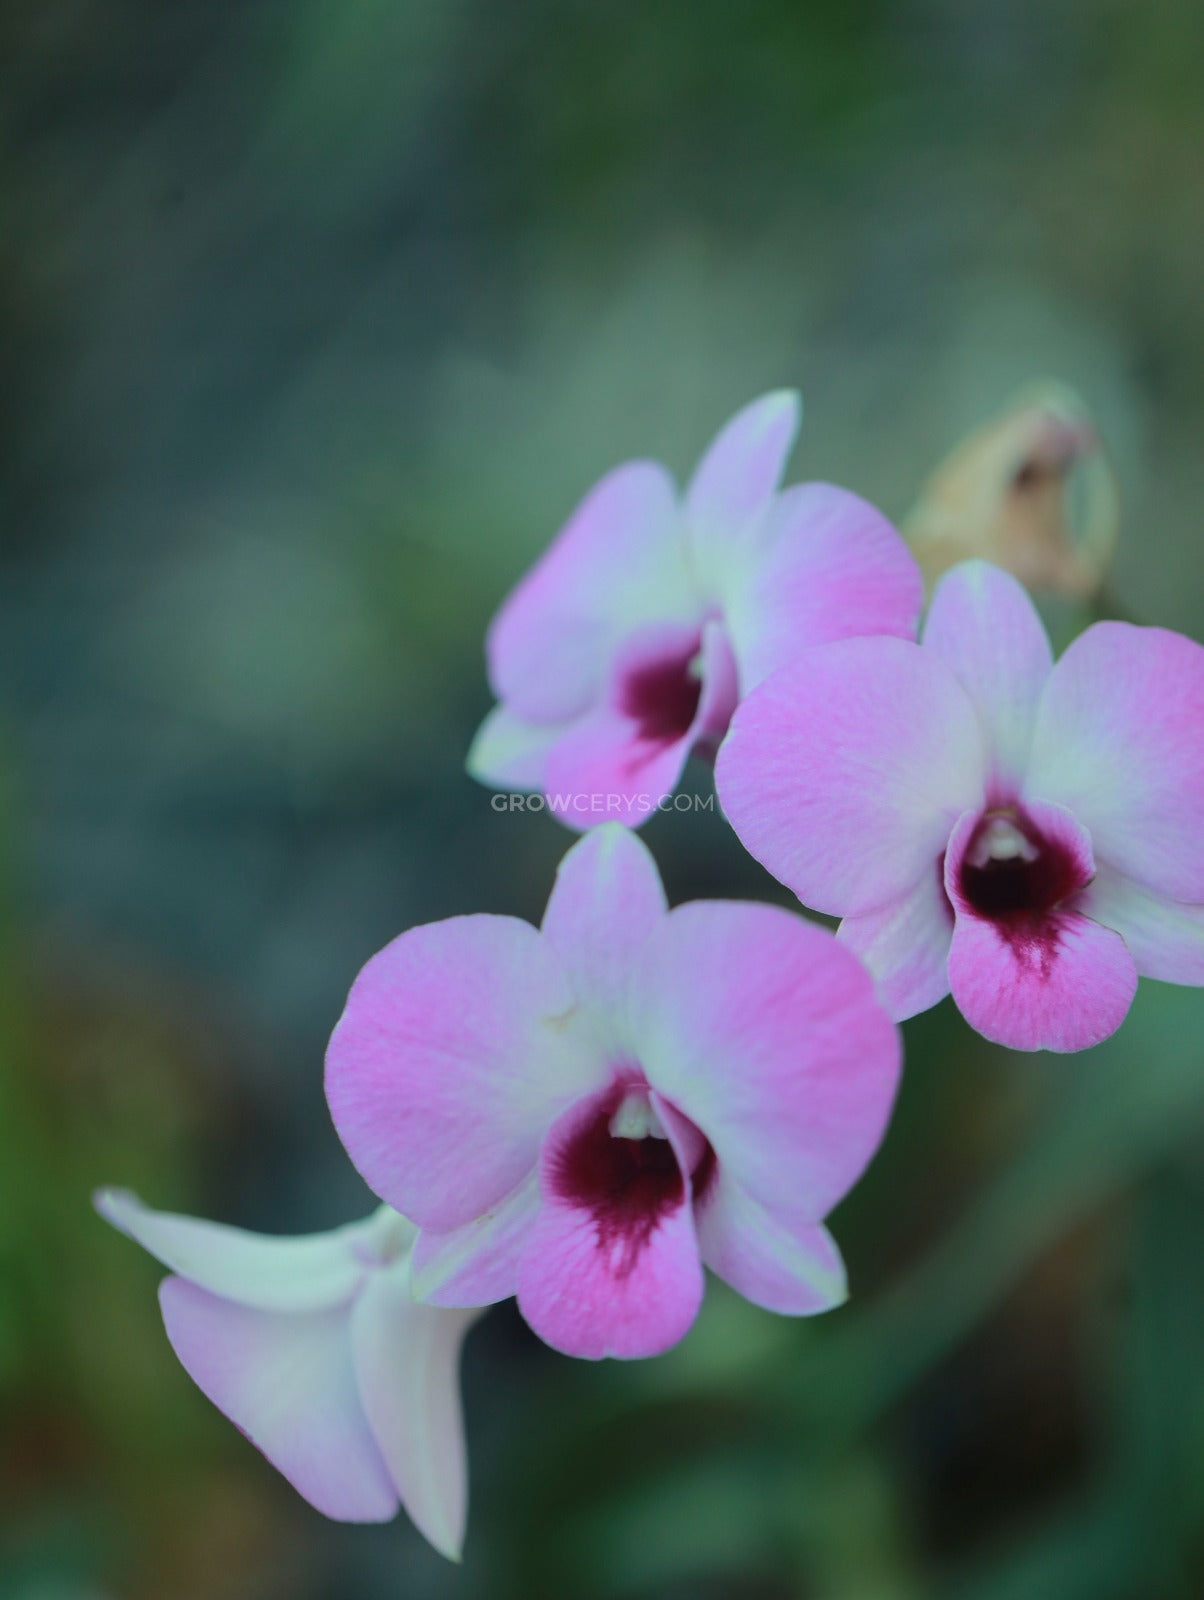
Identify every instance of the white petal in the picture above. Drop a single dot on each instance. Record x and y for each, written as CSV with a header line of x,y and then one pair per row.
x,y
1165,937
288,1383
307,1273
407,1360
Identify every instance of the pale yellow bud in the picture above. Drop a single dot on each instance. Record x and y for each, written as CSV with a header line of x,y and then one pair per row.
x,y
1033,491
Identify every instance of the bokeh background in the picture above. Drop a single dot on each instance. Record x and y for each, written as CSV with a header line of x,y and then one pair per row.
x,y
315,320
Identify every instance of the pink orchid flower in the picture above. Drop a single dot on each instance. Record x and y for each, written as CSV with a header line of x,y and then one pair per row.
x,y
629,643
317,1351
587,1113
1026,835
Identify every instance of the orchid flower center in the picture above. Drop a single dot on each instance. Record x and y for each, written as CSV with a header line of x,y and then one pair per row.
x,y
1011,871
636,1118
621,1167
661,696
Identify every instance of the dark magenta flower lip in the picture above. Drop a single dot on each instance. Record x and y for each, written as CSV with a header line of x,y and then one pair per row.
x,y
627,645
1062,800
1020,869
661,694
1015,875
620,1166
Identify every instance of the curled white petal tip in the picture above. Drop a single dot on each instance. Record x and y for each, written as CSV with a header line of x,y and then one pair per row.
x,y
115,1205
308,1272
450,1547
838,1289
784,400
443,1533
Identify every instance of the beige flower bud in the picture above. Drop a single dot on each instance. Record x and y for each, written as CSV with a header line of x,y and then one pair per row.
x,y
1033,491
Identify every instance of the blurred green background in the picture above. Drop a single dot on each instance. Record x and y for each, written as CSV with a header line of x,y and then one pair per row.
x,y
315,320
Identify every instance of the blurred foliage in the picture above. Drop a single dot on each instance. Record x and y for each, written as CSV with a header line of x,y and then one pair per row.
x,y
317,318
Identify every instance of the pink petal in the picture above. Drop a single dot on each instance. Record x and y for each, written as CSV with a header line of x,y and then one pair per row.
x,y
985,628
477,1265
844,772
767,1035
598,1278
510,753
312,1273
905,945
830,567
603,772
450,1061
606,900
617,563
741,468
288,1383
1164,937
792,1268
1120,742
617,766
1028,999
407,1360
1053,982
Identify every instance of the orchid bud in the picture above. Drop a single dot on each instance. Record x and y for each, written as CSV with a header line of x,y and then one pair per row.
x,y
1032,491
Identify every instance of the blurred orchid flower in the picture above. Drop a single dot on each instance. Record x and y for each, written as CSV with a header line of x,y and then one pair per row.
x,y
1027,835
1032,491
588,1113
629,643
316,1349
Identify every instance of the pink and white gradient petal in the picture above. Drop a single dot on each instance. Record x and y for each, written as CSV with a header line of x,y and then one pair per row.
x,y
830,567
288,1382
314,1272
613,767
448,1063
737,476
794,1269
767,1035
1048,981
591,1289
606,900
510,753
617,563
905,945
406,1358
1120,741
1165,937
477,1264
844,772
604,772
984,627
